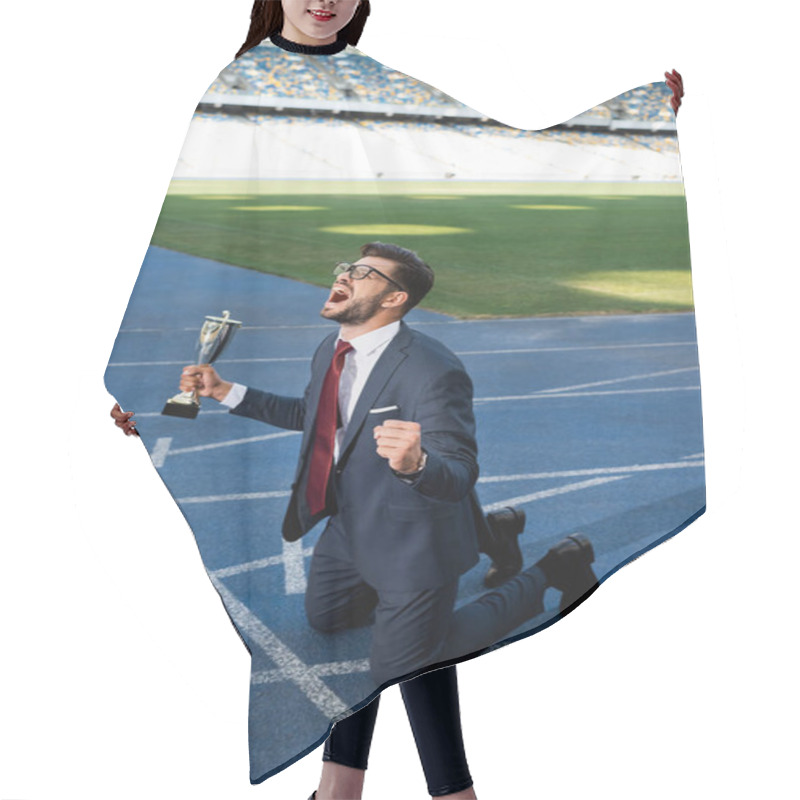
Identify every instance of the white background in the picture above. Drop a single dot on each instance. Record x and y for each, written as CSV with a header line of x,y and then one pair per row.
x,y
121,676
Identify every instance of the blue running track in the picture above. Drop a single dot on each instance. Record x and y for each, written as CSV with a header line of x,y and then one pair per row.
x,y
591,424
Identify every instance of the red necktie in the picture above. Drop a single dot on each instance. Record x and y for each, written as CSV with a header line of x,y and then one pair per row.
x,y
325,431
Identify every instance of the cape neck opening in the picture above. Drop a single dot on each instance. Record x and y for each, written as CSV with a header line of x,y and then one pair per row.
x,y
311,49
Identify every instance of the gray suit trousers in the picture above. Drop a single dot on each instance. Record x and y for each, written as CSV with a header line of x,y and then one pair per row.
x,y
412,630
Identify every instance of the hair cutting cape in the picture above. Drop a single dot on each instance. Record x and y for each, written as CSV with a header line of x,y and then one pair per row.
x,y
556,352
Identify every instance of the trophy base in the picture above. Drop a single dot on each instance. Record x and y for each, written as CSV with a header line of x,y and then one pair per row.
x,y
176,408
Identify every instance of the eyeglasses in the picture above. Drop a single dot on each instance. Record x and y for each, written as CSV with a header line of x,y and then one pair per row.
x,y
360,271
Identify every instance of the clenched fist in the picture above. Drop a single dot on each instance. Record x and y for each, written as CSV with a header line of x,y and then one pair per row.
x,y
400,443
203,379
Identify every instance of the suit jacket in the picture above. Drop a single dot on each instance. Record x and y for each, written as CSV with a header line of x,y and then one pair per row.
x,y
404,537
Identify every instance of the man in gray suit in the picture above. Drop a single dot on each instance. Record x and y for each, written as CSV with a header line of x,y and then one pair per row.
x,y
389,456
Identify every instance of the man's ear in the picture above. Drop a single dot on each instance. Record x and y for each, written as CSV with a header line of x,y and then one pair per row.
x,y
395,300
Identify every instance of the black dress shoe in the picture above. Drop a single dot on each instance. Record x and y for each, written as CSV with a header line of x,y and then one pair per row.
x,y
567,567
505,525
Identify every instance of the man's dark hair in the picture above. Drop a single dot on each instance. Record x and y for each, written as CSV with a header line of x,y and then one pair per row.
x,y
411,272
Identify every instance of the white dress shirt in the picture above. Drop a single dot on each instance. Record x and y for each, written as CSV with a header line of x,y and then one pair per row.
x,y
358,364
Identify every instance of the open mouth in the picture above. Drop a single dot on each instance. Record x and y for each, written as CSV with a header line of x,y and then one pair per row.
x,y
323,16
338,295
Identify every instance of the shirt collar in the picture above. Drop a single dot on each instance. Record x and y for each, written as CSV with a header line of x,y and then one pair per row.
x,y
367,343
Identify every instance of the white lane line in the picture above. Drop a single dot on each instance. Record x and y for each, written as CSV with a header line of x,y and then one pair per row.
x,y
642,376
159,414
183,363
577,473
288,664
543,396
222,498
159,454
231,443
241,330
695,455
572,348
458,353
252,566
539,320
294,572
342,667
570,487
320,670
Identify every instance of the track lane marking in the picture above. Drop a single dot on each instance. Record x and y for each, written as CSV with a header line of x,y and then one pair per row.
x,y
162,446
483,321
252,566
320,670
642,376
524,476
232,442
545,493
160,451
294,569
223,498
287,662
554,394
510,351
576,473
572,348
227,361
538,395
159,414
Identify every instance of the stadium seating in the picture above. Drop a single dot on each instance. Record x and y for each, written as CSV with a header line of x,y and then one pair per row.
x,y
418,143
352,74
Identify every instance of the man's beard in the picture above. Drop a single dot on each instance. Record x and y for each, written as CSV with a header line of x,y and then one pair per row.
x,y
356,312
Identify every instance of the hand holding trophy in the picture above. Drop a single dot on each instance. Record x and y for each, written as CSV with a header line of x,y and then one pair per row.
x,y
214,337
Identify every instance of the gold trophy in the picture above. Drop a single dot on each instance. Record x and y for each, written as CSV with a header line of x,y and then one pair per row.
x,y
214,336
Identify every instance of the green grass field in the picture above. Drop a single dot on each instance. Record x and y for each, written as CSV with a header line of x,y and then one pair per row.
x,y
498,249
